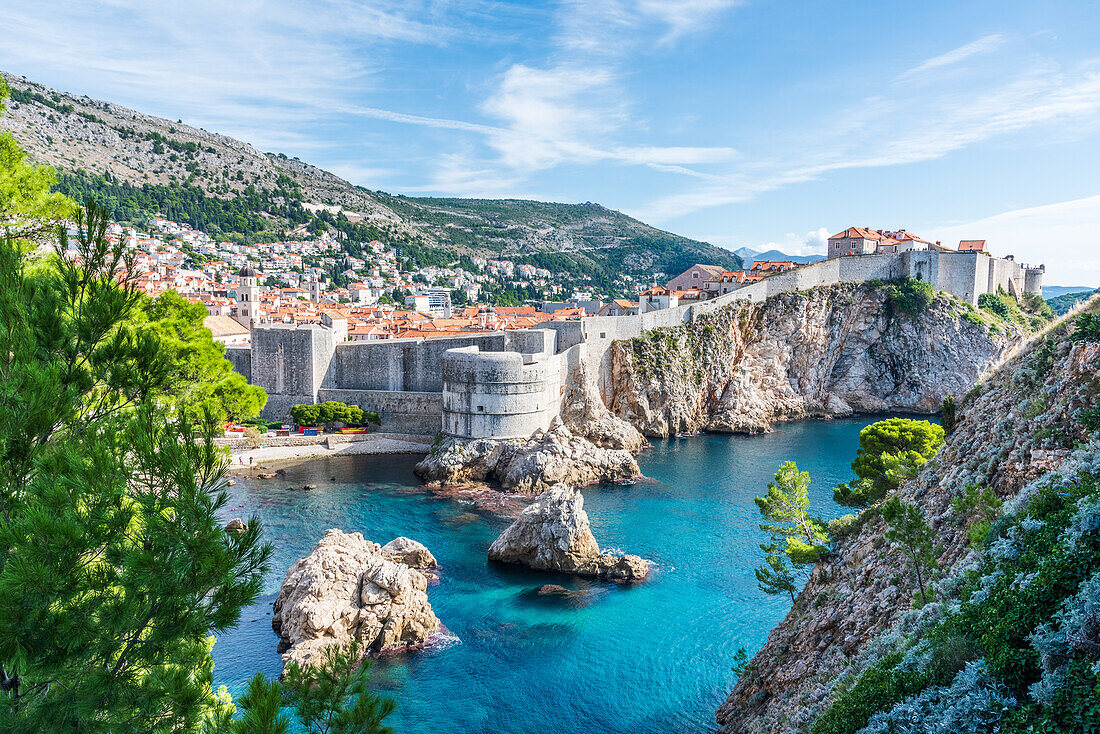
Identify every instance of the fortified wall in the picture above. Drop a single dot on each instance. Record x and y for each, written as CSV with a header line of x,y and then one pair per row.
x,y
507,384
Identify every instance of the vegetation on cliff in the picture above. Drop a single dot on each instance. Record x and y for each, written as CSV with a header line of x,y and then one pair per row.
x,y
1002,529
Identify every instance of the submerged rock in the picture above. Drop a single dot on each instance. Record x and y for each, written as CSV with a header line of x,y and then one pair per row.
x,y
236,525
347,588
553,534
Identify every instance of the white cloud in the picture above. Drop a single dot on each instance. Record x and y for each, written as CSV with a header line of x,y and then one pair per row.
x,y
1063,236
984,44
230,66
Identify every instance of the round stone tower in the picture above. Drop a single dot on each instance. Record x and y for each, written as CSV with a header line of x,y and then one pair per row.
x,y
497,394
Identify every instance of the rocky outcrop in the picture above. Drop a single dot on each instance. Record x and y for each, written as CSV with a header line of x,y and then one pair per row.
x,y
526,465
587,444
1014,427
410,552
830,351
553,534
349,588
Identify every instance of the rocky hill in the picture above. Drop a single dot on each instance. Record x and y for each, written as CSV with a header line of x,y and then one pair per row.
x,y
830,351
1014,630
142,164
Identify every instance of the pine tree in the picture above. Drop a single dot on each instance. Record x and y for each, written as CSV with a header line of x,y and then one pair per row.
x,y
114,567
775,577
796,536
908,531
890,451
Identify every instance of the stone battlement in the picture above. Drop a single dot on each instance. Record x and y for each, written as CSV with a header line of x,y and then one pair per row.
x,y
507,384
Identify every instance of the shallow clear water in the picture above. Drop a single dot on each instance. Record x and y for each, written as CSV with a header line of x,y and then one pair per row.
x,y
655,657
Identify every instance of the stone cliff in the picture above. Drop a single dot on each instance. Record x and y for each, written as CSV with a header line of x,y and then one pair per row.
x,y
830,351
1016,426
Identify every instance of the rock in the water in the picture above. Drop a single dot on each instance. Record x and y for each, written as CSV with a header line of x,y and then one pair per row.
x,y
410,552
553,534
530,466
236,525
345,589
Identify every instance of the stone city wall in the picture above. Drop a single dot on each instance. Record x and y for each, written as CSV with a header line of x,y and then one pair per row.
x,y
419,413
508,383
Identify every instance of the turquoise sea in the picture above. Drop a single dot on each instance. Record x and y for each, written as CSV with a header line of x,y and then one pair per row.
x,y
654,657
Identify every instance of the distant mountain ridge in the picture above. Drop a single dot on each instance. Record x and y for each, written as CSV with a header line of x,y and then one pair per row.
x,y
141,164
749,256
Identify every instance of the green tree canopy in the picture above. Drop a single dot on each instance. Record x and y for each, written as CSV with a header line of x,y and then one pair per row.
x,y
114,567
201,378
908,531
890,452
786,507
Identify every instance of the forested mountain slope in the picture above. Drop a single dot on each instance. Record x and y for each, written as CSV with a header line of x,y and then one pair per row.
x,y
140,165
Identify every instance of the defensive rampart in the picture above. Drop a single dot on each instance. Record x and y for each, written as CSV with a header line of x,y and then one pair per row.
x,y
507,384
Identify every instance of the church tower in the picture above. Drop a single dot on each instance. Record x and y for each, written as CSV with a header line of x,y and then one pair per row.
x,y
249,312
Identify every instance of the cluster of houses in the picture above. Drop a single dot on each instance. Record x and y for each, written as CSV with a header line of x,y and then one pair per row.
x,y
294,282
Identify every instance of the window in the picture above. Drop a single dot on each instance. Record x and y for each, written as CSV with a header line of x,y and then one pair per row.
x,y
695,275
603,334
481,409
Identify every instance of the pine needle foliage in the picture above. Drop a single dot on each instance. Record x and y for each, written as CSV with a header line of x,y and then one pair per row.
x,y
114,567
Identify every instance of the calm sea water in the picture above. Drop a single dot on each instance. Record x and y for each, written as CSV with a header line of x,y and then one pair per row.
x,y
654,657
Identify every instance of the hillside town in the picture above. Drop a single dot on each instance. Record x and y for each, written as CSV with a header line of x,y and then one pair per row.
x,y
302,281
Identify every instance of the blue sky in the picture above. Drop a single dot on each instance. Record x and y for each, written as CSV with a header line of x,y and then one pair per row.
x,y
743,123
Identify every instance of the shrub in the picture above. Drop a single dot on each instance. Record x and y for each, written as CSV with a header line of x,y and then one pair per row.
x,y
980,506
948,417
878,689
1090,420
992,303
910,296
1086,328
973,317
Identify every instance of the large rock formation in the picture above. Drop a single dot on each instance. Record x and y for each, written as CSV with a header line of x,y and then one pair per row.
x,y
830,351
553,534
1014,428
347,588
586,445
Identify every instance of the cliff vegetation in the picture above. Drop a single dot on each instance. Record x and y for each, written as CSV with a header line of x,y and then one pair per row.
x,y
1007,637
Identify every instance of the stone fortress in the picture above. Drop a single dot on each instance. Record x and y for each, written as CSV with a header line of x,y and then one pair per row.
x,y
509,384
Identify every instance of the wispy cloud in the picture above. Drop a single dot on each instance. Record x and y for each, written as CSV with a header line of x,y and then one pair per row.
x,y
891,133
1065,236
982,45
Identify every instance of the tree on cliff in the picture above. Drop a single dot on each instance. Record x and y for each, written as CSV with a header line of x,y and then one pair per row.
x,y
796,536
908,531
890,452
114,567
